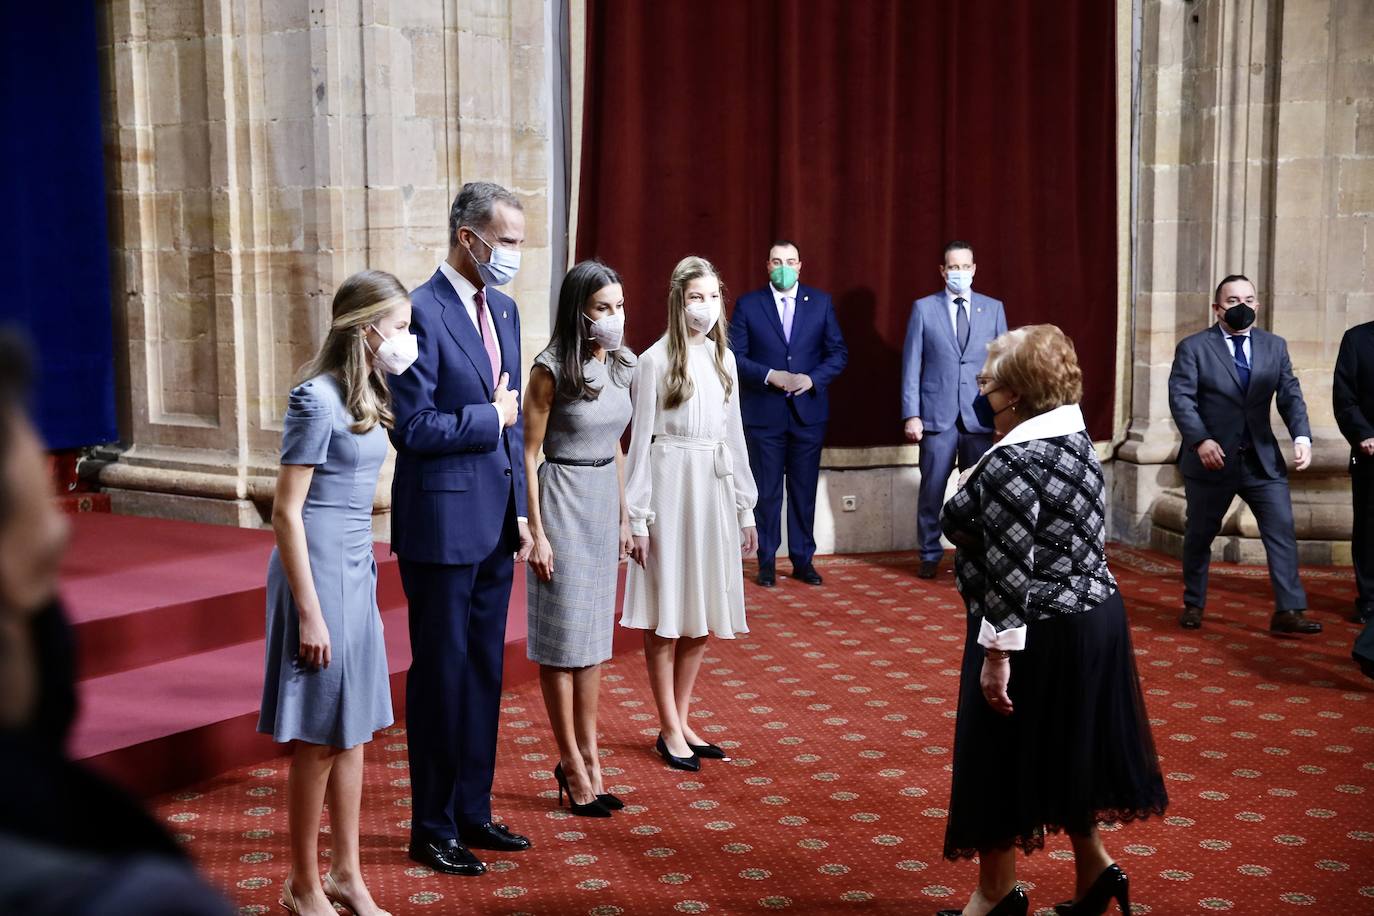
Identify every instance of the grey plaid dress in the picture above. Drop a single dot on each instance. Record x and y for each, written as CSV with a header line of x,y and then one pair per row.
x,y
572,617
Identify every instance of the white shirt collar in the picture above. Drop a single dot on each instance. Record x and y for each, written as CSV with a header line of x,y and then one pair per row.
x,y
467,293
1062,421
950,297
1226,335
778,295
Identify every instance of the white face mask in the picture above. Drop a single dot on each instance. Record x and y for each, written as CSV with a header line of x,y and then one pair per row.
x,y
959,282
503,266
702,316
397,352
608,331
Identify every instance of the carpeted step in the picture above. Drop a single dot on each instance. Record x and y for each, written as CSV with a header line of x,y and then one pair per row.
x,y
170,723
141,591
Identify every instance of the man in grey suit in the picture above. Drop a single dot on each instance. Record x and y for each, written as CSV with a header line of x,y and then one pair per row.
x,y
1222,384
946,345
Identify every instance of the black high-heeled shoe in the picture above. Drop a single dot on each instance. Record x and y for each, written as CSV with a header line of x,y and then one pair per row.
x,y
1014,904
708,751
610,802
691,764
1111,883
590,809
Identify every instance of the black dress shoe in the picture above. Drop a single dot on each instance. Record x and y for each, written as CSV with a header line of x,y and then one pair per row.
x,y
807,574
766,577
1191,618
1014,904
691,764
1111,883
1293,623
928,569
708,751
448,856
493,836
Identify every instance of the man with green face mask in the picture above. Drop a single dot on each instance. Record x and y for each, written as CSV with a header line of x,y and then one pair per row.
x,y
788,349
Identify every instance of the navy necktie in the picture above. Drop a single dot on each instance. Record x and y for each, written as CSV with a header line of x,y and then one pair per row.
x,y
961,323
1242,364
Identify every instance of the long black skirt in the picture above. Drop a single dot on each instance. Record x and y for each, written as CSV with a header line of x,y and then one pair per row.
x,y
1075,751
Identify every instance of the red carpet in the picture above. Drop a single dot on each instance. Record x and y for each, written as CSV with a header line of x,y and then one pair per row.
x,y
839,708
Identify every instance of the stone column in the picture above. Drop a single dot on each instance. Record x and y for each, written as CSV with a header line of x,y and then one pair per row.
x,y
1249,163
259,154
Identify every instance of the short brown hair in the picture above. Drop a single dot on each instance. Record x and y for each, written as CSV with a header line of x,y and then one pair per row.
x,y
1039,363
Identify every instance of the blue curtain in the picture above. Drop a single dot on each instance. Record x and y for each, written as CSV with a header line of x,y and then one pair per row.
x,y
54,238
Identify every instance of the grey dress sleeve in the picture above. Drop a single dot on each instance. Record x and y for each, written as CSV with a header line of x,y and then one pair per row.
x,y
307,427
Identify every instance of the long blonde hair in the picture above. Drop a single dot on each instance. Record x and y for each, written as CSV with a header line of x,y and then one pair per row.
x,y
678,384
361,301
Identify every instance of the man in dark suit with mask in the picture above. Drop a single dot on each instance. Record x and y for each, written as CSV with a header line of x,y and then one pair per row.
x,y
458,518
1353,399
788,348
1221,387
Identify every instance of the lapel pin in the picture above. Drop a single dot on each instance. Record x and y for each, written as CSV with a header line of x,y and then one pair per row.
x,y
503,313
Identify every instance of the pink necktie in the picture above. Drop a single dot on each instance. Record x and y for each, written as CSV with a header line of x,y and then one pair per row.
x,y
788,308
488,343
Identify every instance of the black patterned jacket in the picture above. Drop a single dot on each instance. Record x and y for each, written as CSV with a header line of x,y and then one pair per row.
x,y
1030,528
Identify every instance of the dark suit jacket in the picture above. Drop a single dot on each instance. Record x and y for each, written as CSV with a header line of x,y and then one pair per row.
x,y
456,472
1353,391
817,349
939,383
1207,401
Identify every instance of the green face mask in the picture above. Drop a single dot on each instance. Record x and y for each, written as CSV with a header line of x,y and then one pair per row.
x,y
783,278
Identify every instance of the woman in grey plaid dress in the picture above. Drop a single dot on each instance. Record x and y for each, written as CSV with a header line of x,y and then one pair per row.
x,y
577,405
1052,732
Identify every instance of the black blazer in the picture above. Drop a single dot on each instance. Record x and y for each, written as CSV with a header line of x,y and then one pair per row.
x,y
1207,401
1352,392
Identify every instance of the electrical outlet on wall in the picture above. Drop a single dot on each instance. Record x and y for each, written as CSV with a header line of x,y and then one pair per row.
x,y
849,503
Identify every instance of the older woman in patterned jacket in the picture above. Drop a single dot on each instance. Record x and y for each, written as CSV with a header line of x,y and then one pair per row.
x,y
1052,731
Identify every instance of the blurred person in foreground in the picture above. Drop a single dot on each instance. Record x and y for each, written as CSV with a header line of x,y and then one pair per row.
x,y
70,843
1052,732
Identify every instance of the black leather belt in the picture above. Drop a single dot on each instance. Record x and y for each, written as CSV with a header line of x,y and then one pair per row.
x,y
580,462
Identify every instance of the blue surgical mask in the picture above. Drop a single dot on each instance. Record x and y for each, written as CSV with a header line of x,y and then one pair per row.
x,y
503,266
959,282
982,409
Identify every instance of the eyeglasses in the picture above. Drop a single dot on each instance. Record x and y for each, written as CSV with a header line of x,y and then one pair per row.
x,y
984,381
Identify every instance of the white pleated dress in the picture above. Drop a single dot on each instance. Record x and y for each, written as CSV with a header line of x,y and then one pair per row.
x,y
689,488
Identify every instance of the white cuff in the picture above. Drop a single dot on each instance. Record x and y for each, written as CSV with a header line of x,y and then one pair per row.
x,y
1302,440
500,423
639,527
1010,640
746,518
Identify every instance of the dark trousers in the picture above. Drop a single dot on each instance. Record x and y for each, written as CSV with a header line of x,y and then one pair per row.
x,y
791,454
1268,499
938,454
453,688
1362,537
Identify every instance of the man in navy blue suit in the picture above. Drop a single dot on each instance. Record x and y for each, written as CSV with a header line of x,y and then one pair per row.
x,y
458,523
947,341
788,348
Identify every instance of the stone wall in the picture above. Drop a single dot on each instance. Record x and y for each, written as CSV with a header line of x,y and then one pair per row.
x,y
259,153
1256,137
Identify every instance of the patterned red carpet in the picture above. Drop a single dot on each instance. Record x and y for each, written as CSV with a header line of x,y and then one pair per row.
x,y
839,710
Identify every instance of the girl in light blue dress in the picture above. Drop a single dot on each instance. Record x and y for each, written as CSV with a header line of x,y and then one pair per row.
x,y
326,688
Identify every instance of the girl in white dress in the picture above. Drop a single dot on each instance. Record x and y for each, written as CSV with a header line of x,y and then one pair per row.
x,y
691,498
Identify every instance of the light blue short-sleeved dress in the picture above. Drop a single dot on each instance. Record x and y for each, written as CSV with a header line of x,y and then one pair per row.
x,y
343,704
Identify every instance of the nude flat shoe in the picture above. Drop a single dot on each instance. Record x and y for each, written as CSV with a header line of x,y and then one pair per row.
x,y
331,890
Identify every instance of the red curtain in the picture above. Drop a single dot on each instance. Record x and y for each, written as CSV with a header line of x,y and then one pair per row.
x,y
871,133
